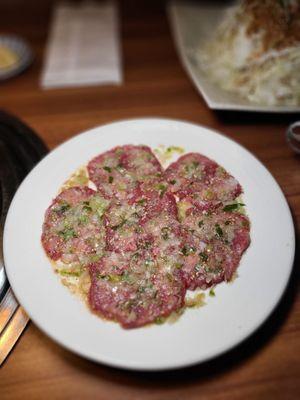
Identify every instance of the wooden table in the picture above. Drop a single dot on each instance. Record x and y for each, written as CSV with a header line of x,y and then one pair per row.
x,y
267,366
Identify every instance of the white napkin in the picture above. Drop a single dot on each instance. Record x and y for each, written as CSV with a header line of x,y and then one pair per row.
x,y
83,48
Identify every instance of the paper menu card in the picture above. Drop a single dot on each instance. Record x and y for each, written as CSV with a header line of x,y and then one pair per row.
x,y
83,47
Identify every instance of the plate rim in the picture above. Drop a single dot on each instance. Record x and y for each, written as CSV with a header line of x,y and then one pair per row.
x,y
166,366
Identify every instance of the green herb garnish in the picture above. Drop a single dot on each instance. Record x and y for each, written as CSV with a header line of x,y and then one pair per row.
x,y
126,277
186,250
200,223
98,205
148,262
108,169
146,245
87,208
120,168
219,230
159,320
119,225
94,258
174,148
233,207
173,181
203,256
212,293
65,272
83,219
67,234
110,179
62,208
198,267
162,189
110,278
165,233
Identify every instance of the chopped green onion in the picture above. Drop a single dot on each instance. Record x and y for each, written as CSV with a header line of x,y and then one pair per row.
x,y
95,258
83,219
146,245
219,230
178,265
67,234
212,293
233,207
98,205
172,149
165,233
87,208
203,256
159,320
162,189
120,168
110,278
198,267
214,270
148,262
119,225
62,208
126,277
187,250
170,277
135,256
65,272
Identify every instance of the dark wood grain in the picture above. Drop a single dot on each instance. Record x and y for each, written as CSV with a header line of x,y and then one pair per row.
x,y
266,366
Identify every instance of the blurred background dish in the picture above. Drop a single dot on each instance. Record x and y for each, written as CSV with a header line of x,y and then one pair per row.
x,y
15,56
293,136
231,54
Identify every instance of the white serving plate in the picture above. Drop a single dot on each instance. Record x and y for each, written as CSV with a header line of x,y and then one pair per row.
x,y
193,23
238,309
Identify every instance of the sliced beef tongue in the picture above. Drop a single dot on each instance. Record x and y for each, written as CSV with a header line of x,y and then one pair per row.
x,y
118,172
125,219
138,280
201,180
213,245
73,230
134,288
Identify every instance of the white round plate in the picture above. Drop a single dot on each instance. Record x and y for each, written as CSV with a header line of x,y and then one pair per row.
x,y
238,309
